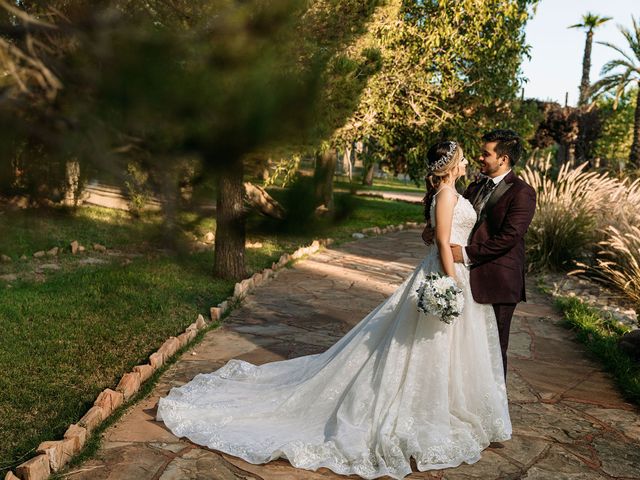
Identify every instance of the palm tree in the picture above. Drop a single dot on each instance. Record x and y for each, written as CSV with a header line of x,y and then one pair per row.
x,y
590,22
621,74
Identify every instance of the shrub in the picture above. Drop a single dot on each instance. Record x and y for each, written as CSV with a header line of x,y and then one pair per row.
x,y
138,191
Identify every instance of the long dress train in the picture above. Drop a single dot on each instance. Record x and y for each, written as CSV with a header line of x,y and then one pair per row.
x,y
400,384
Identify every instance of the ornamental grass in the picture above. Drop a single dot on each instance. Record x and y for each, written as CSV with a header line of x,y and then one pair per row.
x,y
588,222
618,263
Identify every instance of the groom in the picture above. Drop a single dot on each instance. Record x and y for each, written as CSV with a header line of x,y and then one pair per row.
x,y
505,206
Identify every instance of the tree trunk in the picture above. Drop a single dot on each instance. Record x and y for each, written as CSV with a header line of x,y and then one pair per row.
x,y
581,147
230,224
367,178
634,155
72,187
258,198
571,154
566,153
585,85
561,154
323,177
346,162
169,193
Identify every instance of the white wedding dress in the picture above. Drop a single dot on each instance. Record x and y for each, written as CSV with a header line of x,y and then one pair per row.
x,y
400,384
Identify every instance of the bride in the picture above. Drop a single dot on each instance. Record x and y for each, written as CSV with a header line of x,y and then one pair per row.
x,y
400,384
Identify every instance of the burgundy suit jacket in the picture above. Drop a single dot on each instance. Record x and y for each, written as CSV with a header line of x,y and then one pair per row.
x,y
496,246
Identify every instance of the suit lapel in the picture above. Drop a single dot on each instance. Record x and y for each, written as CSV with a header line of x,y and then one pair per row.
x,y
497,194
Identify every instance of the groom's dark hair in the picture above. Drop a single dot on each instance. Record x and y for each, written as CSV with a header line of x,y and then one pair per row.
x,y
508,143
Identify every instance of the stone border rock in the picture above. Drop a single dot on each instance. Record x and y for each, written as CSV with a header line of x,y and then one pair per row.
x,y
53,455
594,294
74,248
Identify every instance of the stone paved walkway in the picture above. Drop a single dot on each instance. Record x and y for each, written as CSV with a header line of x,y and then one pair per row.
x,y
569,421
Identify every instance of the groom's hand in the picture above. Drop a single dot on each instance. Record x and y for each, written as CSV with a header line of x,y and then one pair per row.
x,y
456,250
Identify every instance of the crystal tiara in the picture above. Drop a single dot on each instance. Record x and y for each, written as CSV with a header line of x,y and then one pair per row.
x,y
446,158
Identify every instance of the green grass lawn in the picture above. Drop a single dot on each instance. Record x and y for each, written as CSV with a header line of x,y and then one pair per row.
x,y
390,184
24,232
70,336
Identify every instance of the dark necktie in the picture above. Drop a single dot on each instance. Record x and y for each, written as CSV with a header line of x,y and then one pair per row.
x,y
485,192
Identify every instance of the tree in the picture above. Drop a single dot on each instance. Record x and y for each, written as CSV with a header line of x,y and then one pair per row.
x,y
572,128
449,69
621,74
590,22
614,144
341,28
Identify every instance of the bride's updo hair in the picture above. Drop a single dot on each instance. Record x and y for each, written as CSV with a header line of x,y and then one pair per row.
x,y
442,159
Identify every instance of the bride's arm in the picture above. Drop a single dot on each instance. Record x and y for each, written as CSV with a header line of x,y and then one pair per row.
x,y
444,219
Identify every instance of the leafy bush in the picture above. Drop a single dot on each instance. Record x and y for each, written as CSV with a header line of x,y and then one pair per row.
x,y
138,191
299,203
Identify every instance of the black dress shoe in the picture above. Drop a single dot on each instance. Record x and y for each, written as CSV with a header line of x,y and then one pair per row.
x,y
496,445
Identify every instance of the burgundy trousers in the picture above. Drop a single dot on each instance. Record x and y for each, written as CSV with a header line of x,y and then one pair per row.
x,y
504,314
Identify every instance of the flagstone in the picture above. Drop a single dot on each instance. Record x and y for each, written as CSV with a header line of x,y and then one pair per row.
x,y
597,389
490,467
518,390
559,464
619,458
134,461
522,450
625,421
282,470
562,352
139,425
520,344
171,447
553,422
204,464
549,379
543,328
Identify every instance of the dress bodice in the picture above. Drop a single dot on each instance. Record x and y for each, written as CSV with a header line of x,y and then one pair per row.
x,y
464,219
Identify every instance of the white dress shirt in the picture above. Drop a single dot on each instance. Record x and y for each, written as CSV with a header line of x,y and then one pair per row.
x,y
496,181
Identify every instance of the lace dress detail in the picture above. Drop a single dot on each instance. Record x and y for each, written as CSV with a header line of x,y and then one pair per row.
x,y
400,384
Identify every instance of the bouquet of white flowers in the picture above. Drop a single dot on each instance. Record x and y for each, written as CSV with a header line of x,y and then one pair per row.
x,y
440,296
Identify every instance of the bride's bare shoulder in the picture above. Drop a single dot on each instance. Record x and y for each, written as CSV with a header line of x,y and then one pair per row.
x,y
447,195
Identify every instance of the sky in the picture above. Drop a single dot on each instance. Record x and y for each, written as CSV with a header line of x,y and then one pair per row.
x,y
556,51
